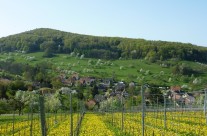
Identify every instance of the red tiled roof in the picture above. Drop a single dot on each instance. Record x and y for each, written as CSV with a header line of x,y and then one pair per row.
x,y
175,88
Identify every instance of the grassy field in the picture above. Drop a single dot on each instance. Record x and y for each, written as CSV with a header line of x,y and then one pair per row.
x,y
140,71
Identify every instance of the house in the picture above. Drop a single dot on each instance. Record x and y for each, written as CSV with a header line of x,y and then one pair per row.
x,y
120,86
106,82
66,90
181,97
175,88
119,94
62,78
66,81
46,91
189,99
90,104
102,87
69,82
87,81
75,76
176,94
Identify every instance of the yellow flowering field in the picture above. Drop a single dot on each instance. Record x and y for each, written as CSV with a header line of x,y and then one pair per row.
x,y
177,123
92,125
111,124
56,125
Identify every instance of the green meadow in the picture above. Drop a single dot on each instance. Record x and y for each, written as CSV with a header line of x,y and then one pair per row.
x,y
160,73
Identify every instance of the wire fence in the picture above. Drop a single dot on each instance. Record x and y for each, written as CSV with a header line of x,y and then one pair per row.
x,y
39,120
170,113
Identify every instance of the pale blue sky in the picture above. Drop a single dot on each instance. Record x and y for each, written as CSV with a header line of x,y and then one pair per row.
x,y
167,20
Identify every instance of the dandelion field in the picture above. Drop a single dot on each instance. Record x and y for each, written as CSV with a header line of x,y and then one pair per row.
x,y
176,123
56,125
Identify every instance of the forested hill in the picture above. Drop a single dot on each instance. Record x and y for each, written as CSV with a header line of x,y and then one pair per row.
x,y
54,41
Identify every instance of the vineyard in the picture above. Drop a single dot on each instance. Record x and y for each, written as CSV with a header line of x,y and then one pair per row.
x,y
164,118
110,124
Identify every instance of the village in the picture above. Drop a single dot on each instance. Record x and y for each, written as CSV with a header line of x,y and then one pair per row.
x,y
105,89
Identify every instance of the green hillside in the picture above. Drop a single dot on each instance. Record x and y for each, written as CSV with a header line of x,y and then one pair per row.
x,y
52,42
35,67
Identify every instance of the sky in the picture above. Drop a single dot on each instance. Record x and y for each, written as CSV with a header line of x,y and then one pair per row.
x,y
166,20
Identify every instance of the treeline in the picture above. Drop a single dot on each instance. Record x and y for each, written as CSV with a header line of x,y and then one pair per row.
x,y
53,41
161,50
19,71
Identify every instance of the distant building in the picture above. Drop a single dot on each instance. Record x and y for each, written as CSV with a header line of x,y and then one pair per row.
x,y
120,86
87,80
189,98
181,97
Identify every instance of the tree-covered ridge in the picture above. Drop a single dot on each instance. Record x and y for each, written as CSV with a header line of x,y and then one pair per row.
x,y
54,41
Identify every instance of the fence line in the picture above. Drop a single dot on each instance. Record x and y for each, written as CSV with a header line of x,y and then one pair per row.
x,y
156,113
